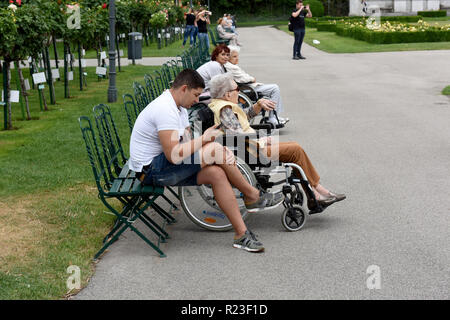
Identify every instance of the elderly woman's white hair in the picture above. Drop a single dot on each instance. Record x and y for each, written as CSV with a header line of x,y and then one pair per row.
x,y
220,84
234,48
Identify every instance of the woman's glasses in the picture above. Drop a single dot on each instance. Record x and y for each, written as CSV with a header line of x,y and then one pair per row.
x,y
235,89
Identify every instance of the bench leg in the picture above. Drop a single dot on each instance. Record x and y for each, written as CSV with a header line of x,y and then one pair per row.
x,y
173,192
166,216
126,223
169,202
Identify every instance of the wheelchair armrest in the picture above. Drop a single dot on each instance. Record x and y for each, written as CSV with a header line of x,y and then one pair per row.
x,y
203,98
241,84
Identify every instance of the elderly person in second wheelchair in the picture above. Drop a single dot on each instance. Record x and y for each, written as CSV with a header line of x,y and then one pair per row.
x,y
222,25
224,94
270,91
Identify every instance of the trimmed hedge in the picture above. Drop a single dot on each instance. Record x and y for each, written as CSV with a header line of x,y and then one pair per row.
x,y
436,13
326,26
311,22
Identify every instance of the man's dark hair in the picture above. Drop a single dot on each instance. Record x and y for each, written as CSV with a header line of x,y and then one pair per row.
x,y
189,77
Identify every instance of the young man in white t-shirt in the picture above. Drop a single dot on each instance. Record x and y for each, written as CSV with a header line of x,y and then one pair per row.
x,y
162,154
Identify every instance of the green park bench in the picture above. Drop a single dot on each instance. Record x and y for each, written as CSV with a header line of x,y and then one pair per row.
x,y
216,40
124,186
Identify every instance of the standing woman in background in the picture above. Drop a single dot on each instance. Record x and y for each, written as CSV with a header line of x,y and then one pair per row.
x,y
202,21
189,30
195,27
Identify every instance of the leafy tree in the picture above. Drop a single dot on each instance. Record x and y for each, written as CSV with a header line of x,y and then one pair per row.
x,y
23,32
316,7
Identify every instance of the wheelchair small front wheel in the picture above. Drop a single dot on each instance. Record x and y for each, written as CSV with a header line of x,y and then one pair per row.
x,y
293,218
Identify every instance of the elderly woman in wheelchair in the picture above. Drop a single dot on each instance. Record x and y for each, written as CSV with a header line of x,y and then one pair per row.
x,y
302,191
223,91
256,90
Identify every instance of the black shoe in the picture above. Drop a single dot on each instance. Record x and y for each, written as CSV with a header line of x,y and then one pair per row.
x,y
295,58
323,203
338,196
301,57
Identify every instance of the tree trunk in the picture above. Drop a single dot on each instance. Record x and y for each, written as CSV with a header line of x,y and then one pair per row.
x,y
8,96
44,100
66,70
24,91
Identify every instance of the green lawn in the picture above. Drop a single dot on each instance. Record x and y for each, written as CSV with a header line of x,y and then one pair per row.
x,y
446,91
332,43
50,215
151,50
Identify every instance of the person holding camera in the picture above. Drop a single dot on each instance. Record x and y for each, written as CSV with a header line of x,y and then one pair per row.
x,y
202,21
190,27
298,23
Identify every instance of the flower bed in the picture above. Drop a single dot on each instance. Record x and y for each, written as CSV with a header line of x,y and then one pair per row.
x,y
387,32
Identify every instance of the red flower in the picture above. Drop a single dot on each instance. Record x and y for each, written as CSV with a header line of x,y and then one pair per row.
x,y
19,2
11,1
104,6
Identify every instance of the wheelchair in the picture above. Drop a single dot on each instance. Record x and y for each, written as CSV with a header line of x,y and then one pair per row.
x,y
199,204
247,97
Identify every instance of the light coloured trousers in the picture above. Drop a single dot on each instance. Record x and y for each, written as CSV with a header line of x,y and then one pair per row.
x,y
271,92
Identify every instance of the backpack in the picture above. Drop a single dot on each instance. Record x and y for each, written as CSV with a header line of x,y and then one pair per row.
x,y
290,26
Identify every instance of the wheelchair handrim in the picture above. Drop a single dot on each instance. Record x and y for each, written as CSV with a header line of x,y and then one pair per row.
x,y
206,214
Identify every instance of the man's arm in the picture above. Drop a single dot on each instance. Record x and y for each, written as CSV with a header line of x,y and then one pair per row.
x,y
296,13
175,151
239,75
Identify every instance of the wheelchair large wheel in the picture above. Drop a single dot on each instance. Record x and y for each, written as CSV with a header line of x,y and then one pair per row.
x,y
293,218
200,206
245,102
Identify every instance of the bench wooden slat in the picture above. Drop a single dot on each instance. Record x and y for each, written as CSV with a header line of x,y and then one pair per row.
x,y
137,186
125,171
116,185
126,186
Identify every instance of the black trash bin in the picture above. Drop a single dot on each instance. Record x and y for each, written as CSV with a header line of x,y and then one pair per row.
x,y
134,45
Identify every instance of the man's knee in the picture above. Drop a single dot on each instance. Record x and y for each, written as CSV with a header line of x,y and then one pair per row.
x,y
215,174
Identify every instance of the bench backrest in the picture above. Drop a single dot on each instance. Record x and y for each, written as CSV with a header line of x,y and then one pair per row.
x,y
151,86
140,95
98,163
109,140
131,110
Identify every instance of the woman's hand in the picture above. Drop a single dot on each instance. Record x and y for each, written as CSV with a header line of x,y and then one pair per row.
x,y
266,104
266,141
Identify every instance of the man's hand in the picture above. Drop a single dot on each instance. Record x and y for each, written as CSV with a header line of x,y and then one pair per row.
x,y
211,134
229,156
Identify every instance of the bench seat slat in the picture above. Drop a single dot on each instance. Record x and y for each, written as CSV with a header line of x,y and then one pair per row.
x,y
125,171
126,186
116,185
